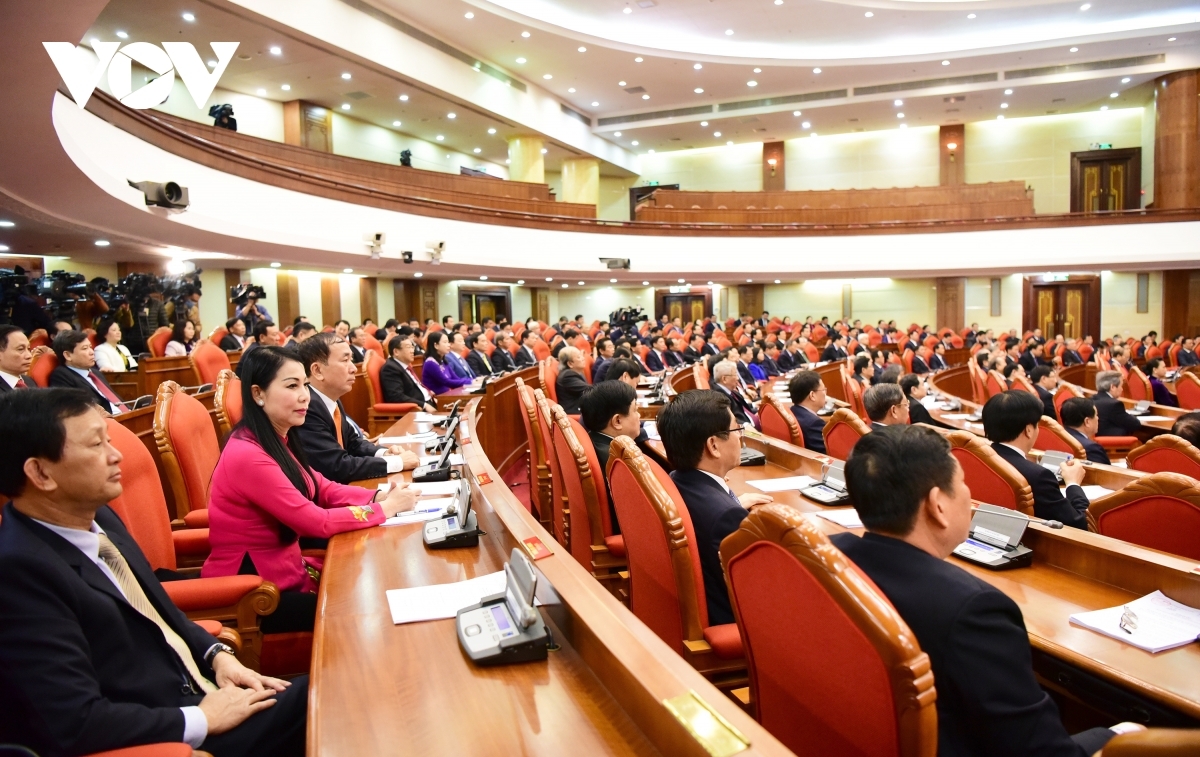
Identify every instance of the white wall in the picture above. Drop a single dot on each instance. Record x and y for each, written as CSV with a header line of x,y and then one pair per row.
x,y
978,299
358,139
265,278
385,298
735,167
1118,304
866,160
214,301
351,303
308,284
80,264
596,303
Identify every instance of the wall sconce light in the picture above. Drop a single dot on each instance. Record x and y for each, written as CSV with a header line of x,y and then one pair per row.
x,y
771,162
952,146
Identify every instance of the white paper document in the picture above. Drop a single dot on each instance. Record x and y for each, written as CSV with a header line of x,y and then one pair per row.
x,y
845,517
436,488
955,416
791,483
1158,622
651,428
427,418
455,459
1095,492
441,600
387,441
426,509
1148,418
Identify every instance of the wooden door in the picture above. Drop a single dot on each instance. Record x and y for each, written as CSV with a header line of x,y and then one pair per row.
x,y
1070,308
1106,180
474,305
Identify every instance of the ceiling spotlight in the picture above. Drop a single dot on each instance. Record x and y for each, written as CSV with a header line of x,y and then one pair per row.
x,y
758,70
544,151
520,60
1085,6
710,283
347,270
612,281
868,14
777,281
1074,49
418,275
1003,105
704,123
276,51
286,87
477,150
645,283
697,66
795,112
595,104
260,92
634,143
779,2
729,143
812,134
805,125
276,265
1000,117
491,131
122,35
682,280
439,137
1008,91
620,84
899,115
549,278
564,286
616,133
6,224
403,98
903,126
581,283
520,282
1103,107
395,123
212,64
728,32
637,59
583,49
897,103
1172,39
749,281
945,63
547,77
468,15
645,97
3,248
970,15
483,278
751,83
346,76
627,10
716,133
1115,94
103,242
1125,80
345,106
951,145
188,17
651,152
571,90
699,90
816,70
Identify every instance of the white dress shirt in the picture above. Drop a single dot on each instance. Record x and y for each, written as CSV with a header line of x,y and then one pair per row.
x,y
395,463
10,379
719,480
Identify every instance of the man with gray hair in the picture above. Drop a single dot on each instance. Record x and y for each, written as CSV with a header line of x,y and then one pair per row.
x,y
725,381
1114,421
886,405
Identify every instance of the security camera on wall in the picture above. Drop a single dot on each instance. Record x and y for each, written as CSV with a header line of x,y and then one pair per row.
x,y
375,240
165,195
435,251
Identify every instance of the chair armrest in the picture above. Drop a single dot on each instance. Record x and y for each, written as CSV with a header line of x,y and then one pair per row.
x,y
223,633
196,519
1118,442
191,542
394,408
149,750
725,640
199,594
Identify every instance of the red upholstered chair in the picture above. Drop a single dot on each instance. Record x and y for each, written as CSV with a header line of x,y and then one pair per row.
x,y
666,586
548,376
189,450
148,750
989,477
812,353
1052,437
906,359
593,543
1187,391
43,365
1166,453
374,345
143,509
700,373
1085,351
156,345
842,431
1172,355
39,338
778,421
539,471
381,415
854,394
1160,511
541,350
1153,352
588,362
995,383
216,335
1065,392
208,360
1139,385
227,401
559,511
956,341
1022,383
979,391
819,332
858,683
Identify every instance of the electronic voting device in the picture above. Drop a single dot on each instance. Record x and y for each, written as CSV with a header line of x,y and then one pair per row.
x,y
832,488
439,470
458,527
1052,461
995,539
1141,408
506,628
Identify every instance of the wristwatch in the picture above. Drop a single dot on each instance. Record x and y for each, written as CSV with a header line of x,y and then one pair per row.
x,y
215,650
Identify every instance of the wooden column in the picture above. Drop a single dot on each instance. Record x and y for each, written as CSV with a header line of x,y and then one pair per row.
x,y
368,300
750,299
287,298
951,303
331,302
428,300
1181,303
1177,140
952,146
308,125
233,277
772,167
539,303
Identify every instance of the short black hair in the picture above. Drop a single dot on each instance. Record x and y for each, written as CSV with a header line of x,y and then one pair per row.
x,y
803,384
908,382
860,363
623,367
1076,410
260,329
390,323
1040,372
35,417
298,319
1009,369
343,320
1187,427
1152,365
303,326
6,331
889,375
880,399
230,322
890,472
1007,414
599,404
315,349
65,342
396,343
472,340
687,423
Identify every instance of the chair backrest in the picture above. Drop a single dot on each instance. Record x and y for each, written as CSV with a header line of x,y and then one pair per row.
x,y
539,474
811,353
859,683
989,477
141,504
1023,384
995,383
157,343
1166,453
1065,392
854,394
541,350
39,338
907,359
842,432
208,360
1139,385
187,445
374,345
590,519
216,335
666,586
1052,437
1172,355
1187,390
559,514
778,420
228,401
978,387
1160,511
548,375
43,365
700,373
372,365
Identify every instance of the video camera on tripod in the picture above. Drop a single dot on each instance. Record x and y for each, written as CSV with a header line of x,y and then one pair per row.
x,y
626,319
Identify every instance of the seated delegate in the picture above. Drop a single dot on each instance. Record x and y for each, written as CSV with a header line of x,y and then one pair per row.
x,y
100,657
264,495
570,384
807,391
436,374
111,355
400,383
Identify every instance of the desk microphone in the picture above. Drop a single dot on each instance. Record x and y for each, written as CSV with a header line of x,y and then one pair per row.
x,y
1022,516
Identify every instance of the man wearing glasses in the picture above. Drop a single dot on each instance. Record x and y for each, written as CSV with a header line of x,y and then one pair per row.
x,y
886,406
808,396
703,443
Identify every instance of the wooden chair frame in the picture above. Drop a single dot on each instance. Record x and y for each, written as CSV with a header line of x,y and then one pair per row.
x,y
164,400
981,449
844,416
1173,485
378,421
1050,426
1171,442
1154,742
772,401
1187,390
220,391
560,507
539,470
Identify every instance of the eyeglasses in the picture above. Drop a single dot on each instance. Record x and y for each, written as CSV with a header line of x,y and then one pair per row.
x,y
1129,621
725,434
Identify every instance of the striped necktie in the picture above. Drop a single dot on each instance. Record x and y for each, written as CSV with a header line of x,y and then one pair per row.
x,y
137,599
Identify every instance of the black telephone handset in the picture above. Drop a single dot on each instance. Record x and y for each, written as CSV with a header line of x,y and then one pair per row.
x,y
458,527
506,628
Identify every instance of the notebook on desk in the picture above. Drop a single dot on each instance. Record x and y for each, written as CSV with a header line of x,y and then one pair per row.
x,y
1154,623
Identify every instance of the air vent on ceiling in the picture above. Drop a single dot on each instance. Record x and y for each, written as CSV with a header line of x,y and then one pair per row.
x,y
767,102
655,115
954,99
1059,100
952,110
852,120
760,130
748,120
357,95
575,114
1099,65
1051,112
434,42
675,139
635,90
949,81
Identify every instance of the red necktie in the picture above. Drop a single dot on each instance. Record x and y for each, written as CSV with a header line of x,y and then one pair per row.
x,y
21,384
107,393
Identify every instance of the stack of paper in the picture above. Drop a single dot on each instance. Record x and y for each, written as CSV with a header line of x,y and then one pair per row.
x,y
387,441
427,417
791,483
955,416
651,428
845,517
441,600
1148,418
1158,623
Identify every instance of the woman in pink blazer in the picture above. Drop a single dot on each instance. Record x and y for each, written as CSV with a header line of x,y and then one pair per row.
x,y
264,497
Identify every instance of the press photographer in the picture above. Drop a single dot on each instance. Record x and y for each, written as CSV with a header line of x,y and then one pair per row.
x,y
245,298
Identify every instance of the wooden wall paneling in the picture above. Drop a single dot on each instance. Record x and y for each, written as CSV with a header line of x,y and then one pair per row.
x,y
233,277
1089,310
331,301
952,159
1177,141
539,303
773,167
951,303
287,298
427,294
750,299
368,302
317,128
1181,303
292,122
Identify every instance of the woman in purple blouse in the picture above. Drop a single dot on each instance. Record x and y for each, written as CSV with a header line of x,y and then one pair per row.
x,y
1156,369
436,375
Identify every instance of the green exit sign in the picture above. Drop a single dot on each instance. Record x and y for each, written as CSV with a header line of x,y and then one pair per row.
x,y
1104,146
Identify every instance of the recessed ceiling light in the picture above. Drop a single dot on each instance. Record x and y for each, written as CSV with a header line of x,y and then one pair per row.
x,y
682,280
970,15
276,265
346,76
758,70
1008,91
544,151
812,134
1114,94
520,282
751,83
638,59
1000,117
102,243
260,92
805,125
728,32
627,10
483,278
616,133
525,35
816,70
1085,6
549,278
403,98
439,137
634,143
595,104
122,35
507,161
3,248
452,116
868,14
699,90
716,133
212,64
903,126
276,51
645,97
345,106
1172,39
1074,49
286,87
6,224
1125,80
520,60
188,17
779,2
729,143
1103,107
347,270
777,281
645,283
945,63
564,286
899,115
710,283
571,90
547,77
612,281
651,152
581,283
704,123
620,84
468,15
477,150
1003,105
795,112
395,123
491,131
418,275
697,66
897,103
749,281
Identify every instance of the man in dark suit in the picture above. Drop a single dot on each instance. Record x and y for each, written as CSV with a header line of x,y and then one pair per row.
x,y
502,359
236,338
526,356
266,334
16,359
788,358
656,359
358,344
77,370
770,361
916,506
477,359
914,389
398,382
100,657
334,443
1187,354
1012,351
674,357
1114,419
693,353
919,366
703,443
1032,357
937,361
807,391
913,343
886,405
836,349
607,411
725,381
1080,419
1071,354
1045,381
1010,421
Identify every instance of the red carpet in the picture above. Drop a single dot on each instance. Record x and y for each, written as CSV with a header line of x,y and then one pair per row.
x,y
517,480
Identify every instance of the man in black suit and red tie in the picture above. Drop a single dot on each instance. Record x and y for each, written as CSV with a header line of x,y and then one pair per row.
x,y
77,370
656,358
526,356
399,383
16,359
